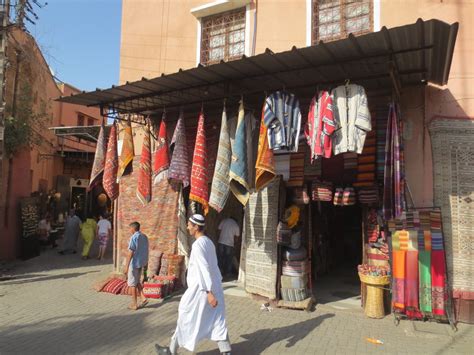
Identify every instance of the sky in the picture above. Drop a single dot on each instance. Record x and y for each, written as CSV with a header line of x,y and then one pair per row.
x,y
80,40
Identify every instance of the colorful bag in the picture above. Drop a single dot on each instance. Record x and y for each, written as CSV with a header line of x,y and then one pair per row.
x,y
322,191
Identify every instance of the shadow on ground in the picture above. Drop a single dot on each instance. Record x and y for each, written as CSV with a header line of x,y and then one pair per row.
x,y
253,343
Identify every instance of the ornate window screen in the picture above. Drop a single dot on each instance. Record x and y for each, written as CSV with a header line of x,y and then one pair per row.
x,y
223,37
336,19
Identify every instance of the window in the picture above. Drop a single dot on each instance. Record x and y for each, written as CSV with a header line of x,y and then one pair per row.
x,y
90,121
80,120
336,19
223,37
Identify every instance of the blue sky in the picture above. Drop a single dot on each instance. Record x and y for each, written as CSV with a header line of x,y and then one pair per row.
x,y
80,40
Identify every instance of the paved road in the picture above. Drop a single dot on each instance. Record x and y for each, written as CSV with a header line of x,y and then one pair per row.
x,y
50,308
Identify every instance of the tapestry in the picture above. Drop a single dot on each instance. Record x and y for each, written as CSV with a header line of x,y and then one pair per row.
x,y
297,167
128,151
199,171
453,162
109,181
144,170
259,242
161,160
238,167
99,158
220,181
179,165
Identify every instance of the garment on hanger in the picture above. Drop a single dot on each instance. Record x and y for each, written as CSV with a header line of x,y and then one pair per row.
x,y
283,121
320,125
265,164
352,118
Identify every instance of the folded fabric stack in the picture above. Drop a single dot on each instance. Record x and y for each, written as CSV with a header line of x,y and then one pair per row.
x,y
366,161
294,294
283,234
350,168
295,268
349,197
372,226
322,191
338,196
299,254
297,167
294,277
312,171
381,114
368,195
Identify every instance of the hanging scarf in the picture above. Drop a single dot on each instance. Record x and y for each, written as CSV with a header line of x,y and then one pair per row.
x,y
265,166
438,282
411,285
111,165
238,167
425,281
144,170
128,151
179,166
399,275
161,161
220,182
99,158
199,177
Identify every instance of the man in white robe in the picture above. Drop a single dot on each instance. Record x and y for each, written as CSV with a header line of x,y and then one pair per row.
x,y
201,313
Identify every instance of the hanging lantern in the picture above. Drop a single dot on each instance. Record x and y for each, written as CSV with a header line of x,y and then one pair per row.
x,y
102,199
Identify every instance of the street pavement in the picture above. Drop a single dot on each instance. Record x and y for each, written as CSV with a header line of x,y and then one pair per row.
x,y
49,307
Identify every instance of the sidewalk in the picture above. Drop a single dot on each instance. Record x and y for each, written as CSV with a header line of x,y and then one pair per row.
x,y
49,307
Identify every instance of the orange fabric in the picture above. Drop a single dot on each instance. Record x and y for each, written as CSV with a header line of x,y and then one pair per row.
x,y
363,159
128,151
399,274
265,166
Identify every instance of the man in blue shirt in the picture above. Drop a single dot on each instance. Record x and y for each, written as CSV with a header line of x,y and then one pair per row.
x,y
137,259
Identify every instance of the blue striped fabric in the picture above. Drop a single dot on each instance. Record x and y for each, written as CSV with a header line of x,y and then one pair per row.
x,y
436,240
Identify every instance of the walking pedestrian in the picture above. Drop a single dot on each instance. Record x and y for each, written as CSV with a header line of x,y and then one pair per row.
x,y
88,233
137,259
104,231
229,229
72,228
201,312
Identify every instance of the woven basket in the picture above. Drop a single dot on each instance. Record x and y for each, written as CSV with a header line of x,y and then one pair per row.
x,y
374,307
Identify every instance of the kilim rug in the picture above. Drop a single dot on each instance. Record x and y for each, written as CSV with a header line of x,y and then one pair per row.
x,y
99,158
260,243
453,165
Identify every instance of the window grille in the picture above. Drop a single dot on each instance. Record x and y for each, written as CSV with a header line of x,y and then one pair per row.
x,y
336,19
80,120
223,37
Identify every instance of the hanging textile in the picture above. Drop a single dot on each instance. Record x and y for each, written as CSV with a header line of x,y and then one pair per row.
x,y
265,165
161,161
282,118
398,287
144,170
392,197
381,114
438,282
320,126
411,285
424,260
179,166
128,151
99,158
199,175
220,182
111,165
238,166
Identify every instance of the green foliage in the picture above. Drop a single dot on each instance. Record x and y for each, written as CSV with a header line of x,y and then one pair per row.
x,y
24,126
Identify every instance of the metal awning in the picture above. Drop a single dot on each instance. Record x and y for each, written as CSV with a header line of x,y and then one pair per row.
x,y
88,133
403,56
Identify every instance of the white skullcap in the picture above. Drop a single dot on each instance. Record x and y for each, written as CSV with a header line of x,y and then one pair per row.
x,y
197,219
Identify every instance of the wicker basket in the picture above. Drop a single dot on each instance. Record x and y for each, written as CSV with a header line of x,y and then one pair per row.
x,y
374,307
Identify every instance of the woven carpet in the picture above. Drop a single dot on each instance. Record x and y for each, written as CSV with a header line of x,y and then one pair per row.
x,y
453,162
260,243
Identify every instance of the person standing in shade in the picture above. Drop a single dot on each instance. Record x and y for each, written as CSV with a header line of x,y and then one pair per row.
x,y
201,311
72,228
229,229
137,259
89,233
104,231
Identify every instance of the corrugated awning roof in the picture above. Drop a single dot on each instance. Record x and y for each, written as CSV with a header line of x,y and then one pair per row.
x,y
416,53
88,133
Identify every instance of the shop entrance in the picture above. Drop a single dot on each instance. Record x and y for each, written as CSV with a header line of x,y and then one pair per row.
x,y
337,250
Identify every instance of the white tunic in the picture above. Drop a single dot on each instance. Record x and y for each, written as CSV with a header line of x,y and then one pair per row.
x,y
197,320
